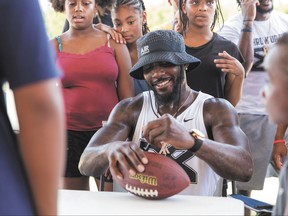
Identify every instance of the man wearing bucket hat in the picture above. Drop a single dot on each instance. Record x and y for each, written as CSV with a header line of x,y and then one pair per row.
x,y
199,132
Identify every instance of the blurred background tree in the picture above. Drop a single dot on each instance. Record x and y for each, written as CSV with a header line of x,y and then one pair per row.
x,y
158,11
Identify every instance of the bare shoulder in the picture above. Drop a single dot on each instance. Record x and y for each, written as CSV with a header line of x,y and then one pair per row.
x,y
62,38
117,46
131,104
128,110
100,35
217,110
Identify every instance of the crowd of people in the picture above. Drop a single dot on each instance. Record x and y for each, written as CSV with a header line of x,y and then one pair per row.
x,y
255,31
109,88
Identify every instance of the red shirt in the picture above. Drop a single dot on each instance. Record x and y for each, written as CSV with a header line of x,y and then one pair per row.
x,y
89,87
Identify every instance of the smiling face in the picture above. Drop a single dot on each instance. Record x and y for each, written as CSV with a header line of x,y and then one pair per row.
x,y
80,13
200,13
165,81
128,21
275,91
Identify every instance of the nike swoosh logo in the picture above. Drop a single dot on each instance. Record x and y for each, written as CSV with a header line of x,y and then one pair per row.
x,y
186,120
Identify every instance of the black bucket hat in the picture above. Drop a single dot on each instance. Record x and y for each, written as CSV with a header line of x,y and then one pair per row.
x,y
161,46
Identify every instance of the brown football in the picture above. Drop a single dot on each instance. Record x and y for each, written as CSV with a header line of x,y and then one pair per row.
x,y
162,178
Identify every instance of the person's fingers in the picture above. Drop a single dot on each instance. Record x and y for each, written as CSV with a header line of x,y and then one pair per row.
x,y
225,55
114,168
119,37
227,63
277,162
226,70
155,135
108,174
149,127
140,154
116,36
223,64
113,35
228,67
133,165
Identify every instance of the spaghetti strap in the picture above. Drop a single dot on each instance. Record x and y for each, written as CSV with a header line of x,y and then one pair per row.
x,y
108,40
59,43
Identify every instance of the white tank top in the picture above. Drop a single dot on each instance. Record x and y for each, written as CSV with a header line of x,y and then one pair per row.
x,y
204,181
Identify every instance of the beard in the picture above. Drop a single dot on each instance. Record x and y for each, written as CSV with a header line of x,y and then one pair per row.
x,y
262,11
168,98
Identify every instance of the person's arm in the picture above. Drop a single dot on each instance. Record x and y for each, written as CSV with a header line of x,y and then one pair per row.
x,y
246,40
227,153
246,46
109,145
116,36
42,140
235,76
233,87
279,146
239,31
125,86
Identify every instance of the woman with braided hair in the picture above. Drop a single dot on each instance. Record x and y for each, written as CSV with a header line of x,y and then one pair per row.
x,y
221,73
130,19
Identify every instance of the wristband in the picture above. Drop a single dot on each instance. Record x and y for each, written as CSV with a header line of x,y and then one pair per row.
x,y
247,20
279,141
246,30
197,145
198,138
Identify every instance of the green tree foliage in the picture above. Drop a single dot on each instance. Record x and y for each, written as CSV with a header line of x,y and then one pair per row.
x,y
54,21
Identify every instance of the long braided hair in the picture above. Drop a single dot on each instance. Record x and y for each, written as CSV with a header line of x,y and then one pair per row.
x,y
218,15
137,5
